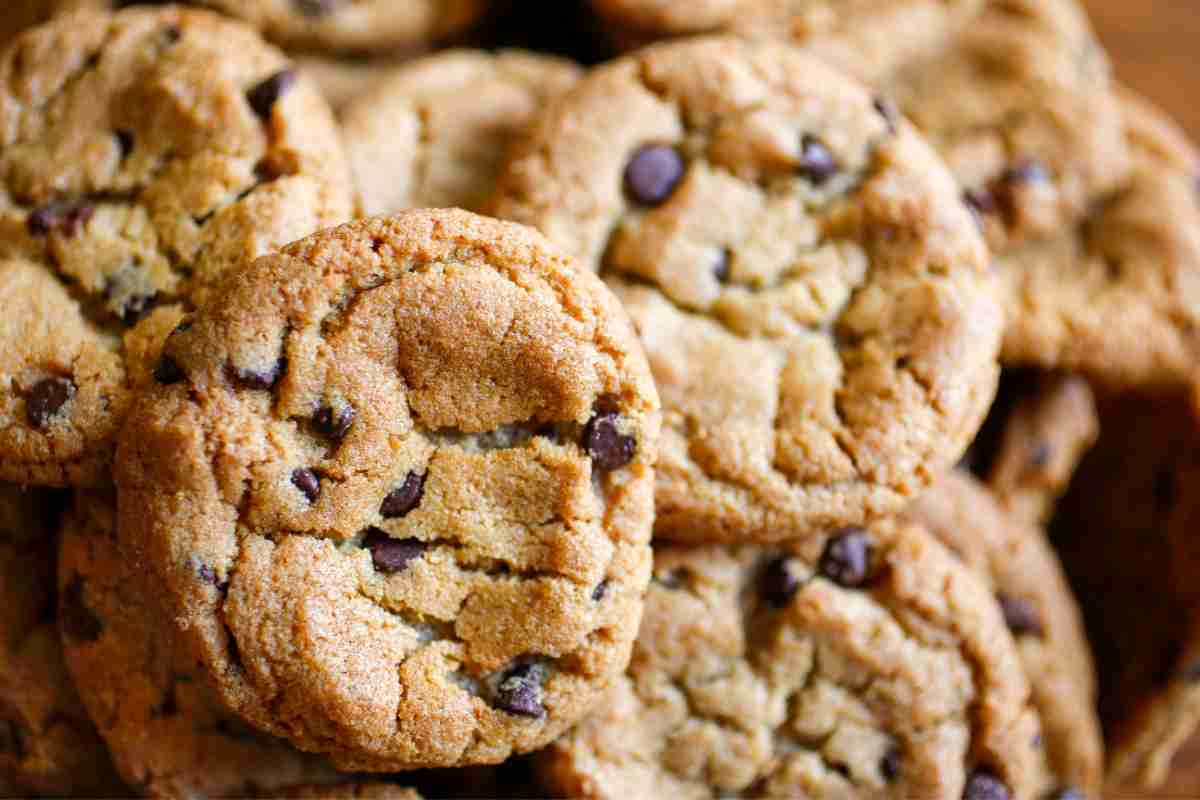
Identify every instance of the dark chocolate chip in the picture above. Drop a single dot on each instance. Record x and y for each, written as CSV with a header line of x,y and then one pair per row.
x,y
1020,615
168,371
12,738
722,269
1165,489
308,482
209,576
777,583
609,448
1027,171
889,765
653,173
77,621
1040,456
520,692
124,143
983,785
263,96
816,161
887,109
334,424
392,555
171,35
981,202
315,8
59,217
600,591
1068,793
847,558
45,400
404,499
253,379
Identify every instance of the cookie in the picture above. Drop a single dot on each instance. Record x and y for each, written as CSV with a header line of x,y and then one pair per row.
x,y
434,133
861,663
1020,103
1126,535
1018,564
167,731
47,743
811,292
1117,297
1040,427
398,490
350,791
342,80
143,154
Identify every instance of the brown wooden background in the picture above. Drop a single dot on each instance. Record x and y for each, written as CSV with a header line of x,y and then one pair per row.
x,y
1155,47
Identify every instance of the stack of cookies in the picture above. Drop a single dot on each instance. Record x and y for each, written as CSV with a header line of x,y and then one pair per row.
x,y
799,400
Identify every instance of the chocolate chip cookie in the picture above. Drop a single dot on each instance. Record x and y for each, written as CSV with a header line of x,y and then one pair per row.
x,y
1118,296
1126,532
434,133
1018,564
47,743
811,292
143,154
350,791
396,484
165,727
860,663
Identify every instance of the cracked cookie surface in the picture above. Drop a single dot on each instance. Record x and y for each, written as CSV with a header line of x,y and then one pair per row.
x,y
811,292
398,490
164,725
1019,566
433,133
47,743
1117,296
866,663
143,154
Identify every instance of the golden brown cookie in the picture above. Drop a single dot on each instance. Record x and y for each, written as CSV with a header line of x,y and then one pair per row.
x,y
397,486
143,154
1126,532
47,743
1018,564
434,132
1118,296
811,292
860,663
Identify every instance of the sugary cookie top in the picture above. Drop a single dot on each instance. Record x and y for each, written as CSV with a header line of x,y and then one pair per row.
x,y
812,292
397,484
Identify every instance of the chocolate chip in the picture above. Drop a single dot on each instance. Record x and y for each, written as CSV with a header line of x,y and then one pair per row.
x,y
124,143
263,96
59,217
777,583
1068,793
136,307
653,173
1040,456
609,448
983,785
255,379
335,424
981,202
889,765
887,109
600,591
77,621
171,35
722,269
209,576
816,162
12,738
308,482
399,502
520,692
392,555
315,8
847,558
1165,489
45,400
168,371
1020,615
1026,171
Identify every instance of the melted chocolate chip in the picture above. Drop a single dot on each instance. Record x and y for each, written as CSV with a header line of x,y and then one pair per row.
x,y
777,583
263,96
334,424
609,448
45,400
653,173
887,109
889,765
1020,615
600,591
983,785
847,558
722,269
76,620
308,482
252,379
816,161
168,371
59,217
124,142
399,502
392,555
520,692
